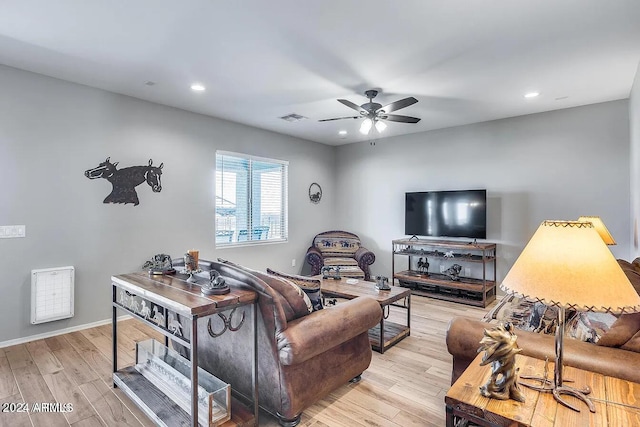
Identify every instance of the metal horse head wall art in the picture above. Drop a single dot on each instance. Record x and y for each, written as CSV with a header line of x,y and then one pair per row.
x,y
124,181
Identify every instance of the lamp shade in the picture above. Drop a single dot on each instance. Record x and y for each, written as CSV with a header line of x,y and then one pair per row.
x,y
600,228
567,264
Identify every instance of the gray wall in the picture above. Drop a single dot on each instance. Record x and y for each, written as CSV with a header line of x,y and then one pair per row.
x,y
634,158
52,131
555,165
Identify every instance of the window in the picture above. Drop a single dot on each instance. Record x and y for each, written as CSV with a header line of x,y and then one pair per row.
x,y
251,199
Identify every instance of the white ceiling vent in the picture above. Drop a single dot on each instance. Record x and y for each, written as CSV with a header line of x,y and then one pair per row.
x,y
293,117
52,294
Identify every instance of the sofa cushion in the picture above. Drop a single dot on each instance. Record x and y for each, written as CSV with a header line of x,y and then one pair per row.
x,y
632,271
623,332
309,286
295,303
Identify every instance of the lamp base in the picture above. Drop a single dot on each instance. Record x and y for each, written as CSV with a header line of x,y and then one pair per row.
x,y
548,386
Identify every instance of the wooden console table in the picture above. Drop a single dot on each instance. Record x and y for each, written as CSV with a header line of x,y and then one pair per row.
x,y
394,332
617,401
177,297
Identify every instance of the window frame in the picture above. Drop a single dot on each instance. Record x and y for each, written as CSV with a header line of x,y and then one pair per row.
x,y
284,203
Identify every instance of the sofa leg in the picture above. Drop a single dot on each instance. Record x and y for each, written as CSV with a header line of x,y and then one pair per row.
x,y
288,422
355,379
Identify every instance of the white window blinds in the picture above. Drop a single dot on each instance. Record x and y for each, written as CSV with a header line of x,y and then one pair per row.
x,y
251,199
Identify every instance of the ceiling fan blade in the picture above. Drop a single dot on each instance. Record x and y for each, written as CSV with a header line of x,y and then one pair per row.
x,y
339,118
352,105
399,104
401,119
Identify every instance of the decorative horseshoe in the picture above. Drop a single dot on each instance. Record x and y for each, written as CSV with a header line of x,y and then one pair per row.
x,y
232,328
227,324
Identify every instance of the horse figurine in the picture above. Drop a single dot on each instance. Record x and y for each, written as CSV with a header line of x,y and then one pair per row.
x,y
423,266
124,181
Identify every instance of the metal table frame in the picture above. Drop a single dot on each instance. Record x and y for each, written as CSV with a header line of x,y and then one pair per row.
x,y
168,304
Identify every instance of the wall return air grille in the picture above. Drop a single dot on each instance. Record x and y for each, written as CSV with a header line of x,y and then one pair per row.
x,y
51,294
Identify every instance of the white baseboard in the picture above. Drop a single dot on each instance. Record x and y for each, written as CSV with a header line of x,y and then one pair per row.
x,y
61,331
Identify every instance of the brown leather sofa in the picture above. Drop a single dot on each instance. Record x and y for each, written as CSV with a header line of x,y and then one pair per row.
x,y
616,354
464,335
299,361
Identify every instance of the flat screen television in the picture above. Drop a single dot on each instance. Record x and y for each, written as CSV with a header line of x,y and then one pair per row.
x,y
446,214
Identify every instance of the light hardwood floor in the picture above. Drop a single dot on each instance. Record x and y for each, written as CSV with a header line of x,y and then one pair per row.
x,y
405,386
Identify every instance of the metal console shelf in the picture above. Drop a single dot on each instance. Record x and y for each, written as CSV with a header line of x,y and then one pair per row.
x,y
431,282
169,297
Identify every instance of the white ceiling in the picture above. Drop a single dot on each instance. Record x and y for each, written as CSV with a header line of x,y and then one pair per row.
x,y
466,61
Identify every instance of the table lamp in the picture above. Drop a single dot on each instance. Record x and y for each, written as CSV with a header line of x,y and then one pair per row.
x,y
567,264
600,228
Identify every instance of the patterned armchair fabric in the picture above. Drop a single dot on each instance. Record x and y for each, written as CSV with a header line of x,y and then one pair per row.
x,y
341,249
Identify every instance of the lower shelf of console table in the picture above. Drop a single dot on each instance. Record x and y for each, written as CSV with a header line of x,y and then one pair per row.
x,y
468,291
163,410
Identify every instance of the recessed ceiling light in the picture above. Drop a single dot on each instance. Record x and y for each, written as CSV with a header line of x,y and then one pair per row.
x,y
342,132
531,94
197,87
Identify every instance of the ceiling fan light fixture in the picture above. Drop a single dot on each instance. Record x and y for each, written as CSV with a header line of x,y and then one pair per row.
x,y
366,125
380,126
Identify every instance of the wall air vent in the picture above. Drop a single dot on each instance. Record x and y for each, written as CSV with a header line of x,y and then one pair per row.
x,y
293,117
51,294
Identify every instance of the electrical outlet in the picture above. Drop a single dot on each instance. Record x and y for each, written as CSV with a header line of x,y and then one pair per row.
x,y
12,231
467,271
442,268
293,262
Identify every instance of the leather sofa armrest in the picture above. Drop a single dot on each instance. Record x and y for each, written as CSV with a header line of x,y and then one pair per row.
x,y
464,335
324,329
314,258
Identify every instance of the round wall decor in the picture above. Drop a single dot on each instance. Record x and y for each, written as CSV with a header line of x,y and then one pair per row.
x,y
315,193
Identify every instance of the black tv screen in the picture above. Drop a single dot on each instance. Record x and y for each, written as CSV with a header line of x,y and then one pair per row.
x,y
446,214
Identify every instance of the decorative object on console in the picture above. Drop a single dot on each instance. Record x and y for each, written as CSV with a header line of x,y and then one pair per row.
x,y
454,272
382,283
600,228
423,266
500,347
159,264
125,181
315,193
329,272
567,264
448,254
216,285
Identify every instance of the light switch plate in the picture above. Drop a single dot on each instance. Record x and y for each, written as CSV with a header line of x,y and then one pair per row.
x,y
12,231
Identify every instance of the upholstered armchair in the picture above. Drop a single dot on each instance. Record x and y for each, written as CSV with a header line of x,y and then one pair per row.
x,y
302,356
340,249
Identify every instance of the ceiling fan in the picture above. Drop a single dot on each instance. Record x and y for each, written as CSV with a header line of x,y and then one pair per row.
x,y
374,113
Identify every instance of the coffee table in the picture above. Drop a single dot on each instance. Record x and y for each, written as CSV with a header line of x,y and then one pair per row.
x,y
387,333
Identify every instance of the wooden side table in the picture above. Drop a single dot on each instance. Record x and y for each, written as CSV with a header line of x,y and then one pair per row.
x,y
609,394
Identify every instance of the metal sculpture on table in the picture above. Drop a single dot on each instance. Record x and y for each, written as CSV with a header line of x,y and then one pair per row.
x,y
329,272
382,283
216,285
124,181
423,266
500,347
159,264
454,272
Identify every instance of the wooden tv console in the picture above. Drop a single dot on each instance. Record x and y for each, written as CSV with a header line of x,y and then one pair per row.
x,y
471,287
